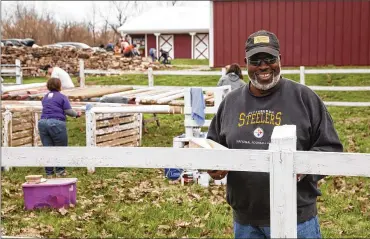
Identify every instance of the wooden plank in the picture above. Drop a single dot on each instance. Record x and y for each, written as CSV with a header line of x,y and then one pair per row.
x,y
22,141
116,135
116,142
138,157
117,128
332,163
22,134
177,103
114,121
110,115
24,126
20,114
18,120
95,92
283,183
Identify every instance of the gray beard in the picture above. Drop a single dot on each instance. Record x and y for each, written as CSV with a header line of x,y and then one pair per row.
x,y
268,86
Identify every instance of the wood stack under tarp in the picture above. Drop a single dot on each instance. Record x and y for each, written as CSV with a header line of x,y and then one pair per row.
x,y
118,129
21,130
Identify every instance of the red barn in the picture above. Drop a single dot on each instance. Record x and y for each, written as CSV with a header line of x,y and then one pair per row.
x,y
182,31
311,32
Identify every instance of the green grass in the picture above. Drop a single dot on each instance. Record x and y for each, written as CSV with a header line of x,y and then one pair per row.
x,y
190,62
141,203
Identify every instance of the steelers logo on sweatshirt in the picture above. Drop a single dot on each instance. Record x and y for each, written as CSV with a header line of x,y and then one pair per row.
x,y
258,133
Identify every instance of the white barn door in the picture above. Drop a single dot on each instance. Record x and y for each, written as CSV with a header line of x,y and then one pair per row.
x,y
201,49
166,43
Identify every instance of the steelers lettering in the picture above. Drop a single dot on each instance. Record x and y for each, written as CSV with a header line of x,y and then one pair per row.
x,y
260,117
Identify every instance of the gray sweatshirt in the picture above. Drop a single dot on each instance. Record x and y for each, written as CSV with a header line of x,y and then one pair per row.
x,y
245,121
231,79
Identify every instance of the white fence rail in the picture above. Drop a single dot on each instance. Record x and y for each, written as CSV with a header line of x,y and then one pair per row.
x,y
282,161
13,70
302,72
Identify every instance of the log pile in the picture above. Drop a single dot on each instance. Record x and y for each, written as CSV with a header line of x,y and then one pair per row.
x,y
68,59
23,130
118,129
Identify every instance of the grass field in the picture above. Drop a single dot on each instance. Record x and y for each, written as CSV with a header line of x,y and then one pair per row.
x,y
141,203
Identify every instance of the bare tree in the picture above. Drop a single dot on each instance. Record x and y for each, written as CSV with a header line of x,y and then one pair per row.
x,y
120,12
92,23
169,3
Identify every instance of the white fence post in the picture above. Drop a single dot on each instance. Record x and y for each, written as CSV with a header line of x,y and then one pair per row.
x,y
90,133
6,131
187,103
82,73
223,71
283,183
18,72
301,75
150,77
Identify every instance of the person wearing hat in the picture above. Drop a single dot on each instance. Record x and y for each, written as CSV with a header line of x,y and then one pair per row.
x,y
245,120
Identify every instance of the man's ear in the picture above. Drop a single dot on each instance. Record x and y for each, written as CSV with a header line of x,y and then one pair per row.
x,y
280,57
245,60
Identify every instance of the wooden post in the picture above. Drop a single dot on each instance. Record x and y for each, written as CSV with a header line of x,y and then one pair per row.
x,y
7,131
301,75
18,72
150,77
283,183
82,73
90,133
223,71
35,131
187,103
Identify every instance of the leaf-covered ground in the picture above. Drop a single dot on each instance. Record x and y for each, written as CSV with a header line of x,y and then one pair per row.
x,y
141,203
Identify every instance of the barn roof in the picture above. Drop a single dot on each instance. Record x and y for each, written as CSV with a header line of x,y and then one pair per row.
x,y
169,20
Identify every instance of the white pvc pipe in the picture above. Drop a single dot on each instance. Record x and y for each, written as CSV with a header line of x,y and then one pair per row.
x,y
135,109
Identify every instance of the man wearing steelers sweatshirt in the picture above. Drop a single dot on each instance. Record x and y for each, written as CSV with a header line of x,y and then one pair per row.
x,y
246,119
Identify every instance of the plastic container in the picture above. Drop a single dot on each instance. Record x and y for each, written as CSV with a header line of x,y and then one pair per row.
x,y
203,179
54,193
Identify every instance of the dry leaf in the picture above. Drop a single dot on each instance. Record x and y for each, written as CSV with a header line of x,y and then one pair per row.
x,y
63,211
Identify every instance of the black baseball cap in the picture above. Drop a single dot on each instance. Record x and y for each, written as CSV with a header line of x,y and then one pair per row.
x,y
262,41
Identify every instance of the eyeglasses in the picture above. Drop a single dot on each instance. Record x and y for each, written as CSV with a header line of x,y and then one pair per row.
x,y
258,62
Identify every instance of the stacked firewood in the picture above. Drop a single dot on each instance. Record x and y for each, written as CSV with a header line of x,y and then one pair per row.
x,y
68,59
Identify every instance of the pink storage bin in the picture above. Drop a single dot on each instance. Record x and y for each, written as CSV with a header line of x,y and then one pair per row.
x,y
54,193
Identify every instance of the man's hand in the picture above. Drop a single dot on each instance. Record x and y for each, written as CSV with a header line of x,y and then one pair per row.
x,y
217,174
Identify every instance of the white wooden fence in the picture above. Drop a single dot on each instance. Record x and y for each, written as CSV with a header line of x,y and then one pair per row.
x,y
302,72
13,70
282,161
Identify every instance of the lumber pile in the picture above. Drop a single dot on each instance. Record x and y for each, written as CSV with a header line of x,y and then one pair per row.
x,y
68,59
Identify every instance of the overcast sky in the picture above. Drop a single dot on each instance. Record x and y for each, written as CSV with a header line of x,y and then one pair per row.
x,y
80,10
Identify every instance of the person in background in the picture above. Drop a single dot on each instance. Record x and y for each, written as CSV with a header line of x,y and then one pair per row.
x,y
52,124
135,50
57,72
164,55
153,54
117,49
110,47
128,52
246,119
233,77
